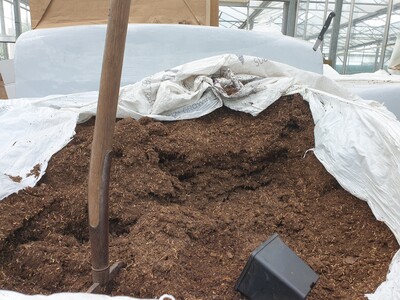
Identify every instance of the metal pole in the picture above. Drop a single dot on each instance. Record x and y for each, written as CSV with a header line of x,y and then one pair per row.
x,y
251,24
291,18
386,34
376,57
3,30
248,15
305,20
285,18
297,3
335,32
17,19
348,36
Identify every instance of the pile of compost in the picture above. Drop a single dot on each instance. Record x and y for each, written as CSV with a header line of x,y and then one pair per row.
x,y
189,202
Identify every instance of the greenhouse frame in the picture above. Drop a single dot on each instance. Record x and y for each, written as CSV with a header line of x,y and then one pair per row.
x,y
360,38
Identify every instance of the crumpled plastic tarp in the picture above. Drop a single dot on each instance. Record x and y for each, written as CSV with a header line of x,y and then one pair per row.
x,y
357,141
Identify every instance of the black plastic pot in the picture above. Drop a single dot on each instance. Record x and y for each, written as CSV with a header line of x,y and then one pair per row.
x,y
274,271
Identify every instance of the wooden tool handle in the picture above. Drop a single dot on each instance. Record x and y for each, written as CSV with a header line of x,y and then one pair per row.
x,y
108,100
103,132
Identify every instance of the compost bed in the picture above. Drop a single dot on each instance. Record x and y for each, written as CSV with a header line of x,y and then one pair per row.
x,y
189,202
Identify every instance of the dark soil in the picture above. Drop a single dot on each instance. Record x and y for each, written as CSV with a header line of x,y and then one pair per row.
x,y
189,202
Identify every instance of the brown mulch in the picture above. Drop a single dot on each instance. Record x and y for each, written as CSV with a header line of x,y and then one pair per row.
x,y
189,202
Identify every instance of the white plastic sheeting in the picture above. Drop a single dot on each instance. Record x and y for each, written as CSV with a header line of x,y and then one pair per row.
x,y
380,86
68,60
394,62
9,295
356,140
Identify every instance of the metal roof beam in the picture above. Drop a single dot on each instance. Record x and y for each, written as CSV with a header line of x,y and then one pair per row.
x,y
255,13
